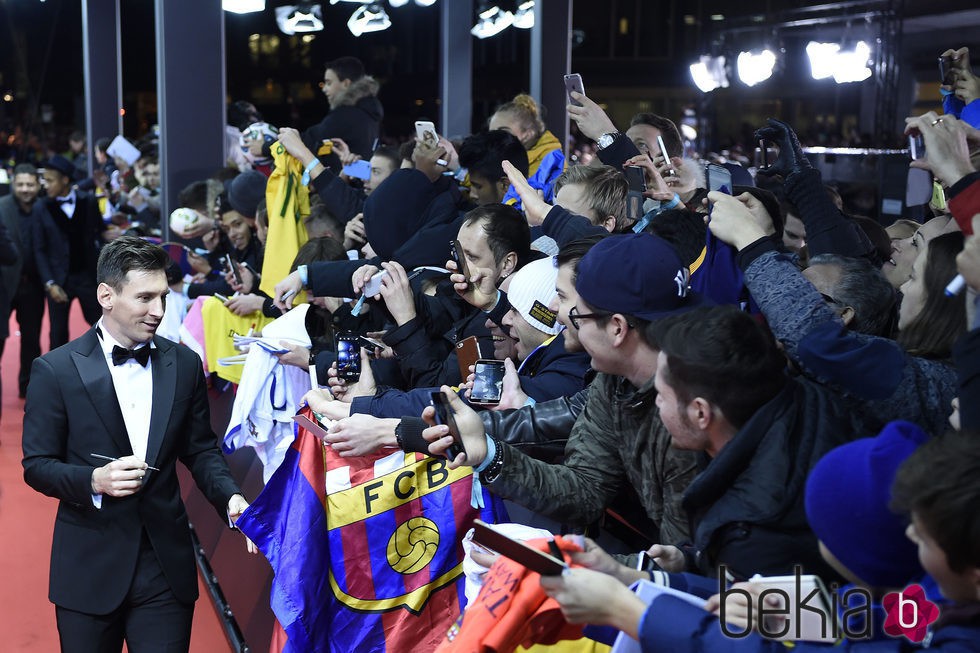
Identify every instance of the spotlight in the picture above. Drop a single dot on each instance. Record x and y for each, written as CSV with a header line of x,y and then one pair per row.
x,y
425,3
755,68
398,3
830,60
709,73
243,6
493,20
369,18
852,65
295,19
524,18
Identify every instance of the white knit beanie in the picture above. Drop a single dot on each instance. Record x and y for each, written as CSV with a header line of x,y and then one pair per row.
x,y
532,290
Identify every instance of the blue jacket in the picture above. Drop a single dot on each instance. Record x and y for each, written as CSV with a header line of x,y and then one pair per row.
x,y
969,113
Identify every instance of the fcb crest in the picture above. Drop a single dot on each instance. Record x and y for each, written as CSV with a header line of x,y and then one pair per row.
x,y
394,525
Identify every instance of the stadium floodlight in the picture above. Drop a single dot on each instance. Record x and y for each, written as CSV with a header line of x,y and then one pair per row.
x,y
524,17
709,73
243,6
493,21
754,68
296,19
369,18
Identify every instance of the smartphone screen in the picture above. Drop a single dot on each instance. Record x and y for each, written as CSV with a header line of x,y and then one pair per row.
x,y
634,175
234,268
718,178
360,169
348,356
573,82
456,252
917,146
488,382
946,71
444,415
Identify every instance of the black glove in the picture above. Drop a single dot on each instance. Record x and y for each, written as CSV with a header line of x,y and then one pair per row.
x,y
791,157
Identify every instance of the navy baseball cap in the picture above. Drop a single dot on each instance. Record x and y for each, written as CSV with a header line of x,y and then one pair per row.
x,y
636,274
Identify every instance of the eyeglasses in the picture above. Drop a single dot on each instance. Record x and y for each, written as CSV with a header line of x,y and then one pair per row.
x,y
574,316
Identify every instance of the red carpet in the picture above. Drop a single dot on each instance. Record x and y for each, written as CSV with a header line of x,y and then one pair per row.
x,y
26,523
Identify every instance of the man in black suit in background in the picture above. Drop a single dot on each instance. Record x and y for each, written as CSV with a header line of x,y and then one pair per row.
x,y
20,279
122,564
68,233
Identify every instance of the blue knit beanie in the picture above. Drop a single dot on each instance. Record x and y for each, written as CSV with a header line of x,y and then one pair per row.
x,y
847,497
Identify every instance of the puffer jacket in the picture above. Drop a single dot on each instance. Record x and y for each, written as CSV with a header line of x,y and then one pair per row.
x,y
617,440
355,117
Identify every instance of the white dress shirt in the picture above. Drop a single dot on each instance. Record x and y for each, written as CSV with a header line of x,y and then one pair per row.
x,y
133,384
67,203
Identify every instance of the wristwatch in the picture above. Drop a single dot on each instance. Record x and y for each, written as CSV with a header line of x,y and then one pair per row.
x,y
607,139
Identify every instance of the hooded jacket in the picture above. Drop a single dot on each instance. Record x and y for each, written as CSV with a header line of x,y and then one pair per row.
x,y
355,116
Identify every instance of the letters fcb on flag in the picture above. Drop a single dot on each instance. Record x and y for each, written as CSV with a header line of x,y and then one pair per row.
x,y
366,551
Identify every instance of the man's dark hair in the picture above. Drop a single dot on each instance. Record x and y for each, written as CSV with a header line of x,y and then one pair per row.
x,y
76,136
194,196
483,153
127,253
346,68
668,131
241,114
391,154
770,202
942,320
321,222
684,229
25,169
724,356
572,252
864,288
319,249
405,151
103,144
940,485
506,231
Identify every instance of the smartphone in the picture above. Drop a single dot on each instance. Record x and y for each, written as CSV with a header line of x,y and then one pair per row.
x,y
456,253
371,343
310,426
444,415
230,264
488,382
360,169
665,154
814,621
946,74
467,353
634,197
917,147
348,356
538,561
373,286
426,133
634,175
717,177
573,82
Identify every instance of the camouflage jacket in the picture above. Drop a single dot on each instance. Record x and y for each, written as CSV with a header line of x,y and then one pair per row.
x,y
617,439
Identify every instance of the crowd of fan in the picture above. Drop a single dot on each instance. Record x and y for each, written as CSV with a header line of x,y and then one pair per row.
x,y
744,374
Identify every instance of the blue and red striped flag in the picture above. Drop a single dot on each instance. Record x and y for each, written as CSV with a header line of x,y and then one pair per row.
x,y
367,551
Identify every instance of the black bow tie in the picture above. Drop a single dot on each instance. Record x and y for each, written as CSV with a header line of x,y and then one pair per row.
x,y
120,355
65,200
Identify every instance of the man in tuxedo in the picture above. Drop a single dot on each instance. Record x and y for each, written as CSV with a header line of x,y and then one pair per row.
x,y
122,564
68,233
20,278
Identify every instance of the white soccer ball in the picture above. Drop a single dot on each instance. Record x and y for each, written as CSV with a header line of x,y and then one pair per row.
x,y
184,221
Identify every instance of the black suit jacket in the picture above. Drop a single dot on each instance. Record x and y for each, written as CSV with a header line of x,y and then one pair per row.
x,y
51,246
72,412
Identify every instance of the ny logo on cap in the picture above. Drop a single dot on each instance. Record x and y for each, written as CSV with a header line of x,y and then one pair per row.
x,y
683,276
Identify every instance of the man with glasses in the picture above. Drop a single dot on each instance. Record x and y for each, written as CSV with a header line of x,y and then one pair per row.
x,y
612,302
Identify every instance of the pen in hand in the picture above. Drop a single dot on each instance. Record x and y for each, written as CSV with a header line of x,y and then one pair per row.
x,y
110,458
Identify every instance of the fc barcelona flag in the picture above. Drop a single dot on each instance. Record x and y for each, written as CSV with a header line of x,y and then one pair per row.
x,y
366,551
